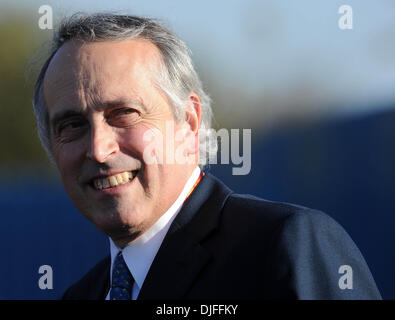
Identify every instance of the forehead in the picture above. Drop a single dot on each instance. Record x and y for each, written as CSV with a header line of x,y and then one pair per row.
x,y
80,73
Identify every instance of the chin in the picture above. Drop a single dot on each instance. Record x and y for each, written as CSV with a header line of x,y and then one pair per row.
x,y
120,224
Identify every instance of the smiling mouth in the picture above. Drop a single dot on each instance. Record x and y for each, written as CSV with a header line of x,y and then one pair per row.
x,y
114,180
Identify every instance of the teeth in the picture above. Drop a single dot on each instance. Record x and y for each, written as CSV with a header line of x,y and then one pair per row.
x,y
119,178
98,184
125,176
113,181
106,183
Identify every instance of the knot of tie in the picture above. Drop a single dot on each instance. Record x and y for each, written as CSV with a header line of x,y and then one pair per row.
x,y
122,280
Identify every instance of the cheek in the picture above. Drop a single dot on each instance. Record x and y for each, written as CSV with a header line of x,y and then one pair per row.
x,y
67,159
157,144
141,140
132,140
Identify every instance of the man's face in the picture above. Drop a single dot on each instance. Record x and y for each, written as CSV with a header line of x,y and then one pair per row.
x,y
101,100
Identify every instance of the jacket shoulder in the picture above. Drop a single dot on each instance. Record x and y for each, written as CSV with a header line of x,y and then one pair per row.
x,y
269,216
283,219
304,250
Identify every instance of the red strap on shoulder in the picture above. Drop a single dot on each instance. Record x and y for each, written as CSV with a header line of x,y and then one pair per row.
x,y
195,185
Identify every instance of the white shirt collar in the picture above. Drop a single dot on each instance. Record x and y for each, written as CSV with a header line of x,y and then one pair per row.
x,y
140,253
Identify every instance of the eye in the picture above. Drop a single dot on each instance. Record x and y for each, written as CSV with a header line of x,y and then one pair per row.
x,y
123,117
121,112
71,124
71,128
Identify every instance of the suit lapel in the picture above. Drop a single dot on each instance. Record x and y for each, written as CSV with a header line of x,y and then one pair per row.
x,y
101,284
181,256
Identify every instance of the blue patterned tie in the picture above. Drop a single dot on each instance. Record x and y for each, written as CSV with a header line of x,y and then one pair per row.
x,y
122,280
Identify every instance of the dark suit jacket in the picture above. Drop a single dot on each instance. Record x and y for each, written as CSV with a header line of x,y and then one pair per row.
x,y
224,245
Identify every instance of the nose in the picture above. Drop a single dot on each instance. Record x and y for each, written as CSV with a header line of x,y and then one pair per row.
x,y
103,143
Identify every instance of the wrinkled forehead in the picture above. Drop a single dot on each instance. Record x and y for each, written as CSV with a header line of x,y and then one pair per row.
x,y
99,68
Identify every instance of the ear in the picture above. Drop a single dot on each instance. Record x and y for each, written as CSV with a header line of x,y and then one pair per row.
x,y
193,113
192,121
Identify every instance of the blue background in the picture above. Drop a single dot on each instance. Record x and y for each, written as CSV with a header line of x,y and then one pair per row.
x,y
340,167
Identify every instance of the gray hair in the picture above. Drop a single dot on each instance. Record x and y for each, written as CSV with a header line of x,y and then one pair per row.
x,y
177,77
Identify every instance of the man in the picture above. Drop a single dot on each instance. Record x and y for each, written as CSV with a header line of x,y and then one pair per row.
x,y
121,111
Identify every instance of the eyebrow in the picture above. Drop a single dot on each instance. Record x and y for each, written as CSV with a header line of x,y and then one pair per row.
x,y
62,115
121,103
